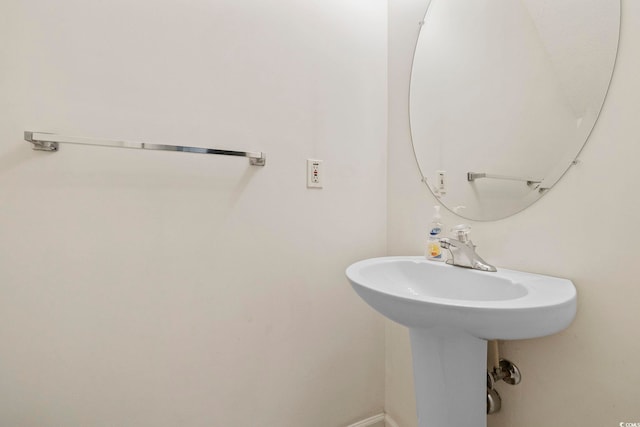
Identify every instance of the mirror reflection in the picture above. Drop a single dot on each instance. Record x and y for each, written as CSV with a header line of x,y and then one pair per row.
x,y
504,94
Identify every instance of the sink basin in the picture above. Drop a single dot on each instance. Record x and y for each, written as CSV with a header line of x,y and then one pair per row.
x,y
503,305
451,312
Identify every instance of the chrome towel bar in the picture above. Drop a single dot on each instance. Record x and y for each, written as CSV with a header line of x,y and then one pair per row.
x,y
472,176
50,142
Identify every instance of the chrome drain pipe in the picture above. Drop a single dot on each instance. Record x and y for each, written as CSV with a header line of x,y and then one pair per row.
x,y
494,402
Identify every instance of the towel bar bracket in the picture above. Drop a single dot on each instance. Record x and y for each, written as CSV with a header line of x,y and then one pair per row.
x,y
257,161
41,145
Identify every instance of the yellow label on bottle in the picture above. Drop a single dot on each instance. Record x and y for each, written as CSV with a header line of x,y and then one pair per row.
x,y
434,250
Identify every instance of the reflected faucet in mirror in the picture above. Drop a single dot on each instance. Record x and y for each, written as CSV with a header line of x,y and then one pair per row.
x,y
463,251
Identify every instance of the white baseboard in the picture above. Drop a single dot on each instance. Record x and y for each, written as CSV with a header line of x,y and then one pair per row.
x,y
375,421
389,422
380,420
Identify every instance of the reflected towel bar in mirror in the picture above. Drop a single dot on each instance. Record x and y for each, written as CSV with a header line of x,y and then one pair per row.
x,y
472,176
50,142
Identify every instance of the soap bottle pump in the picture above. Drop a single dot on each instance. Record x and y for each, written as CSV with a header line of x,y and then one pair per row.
x,y
434,250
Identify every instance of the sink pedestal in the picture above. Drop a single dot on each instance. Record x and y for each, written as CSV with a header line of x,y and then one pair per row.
x,y
450,374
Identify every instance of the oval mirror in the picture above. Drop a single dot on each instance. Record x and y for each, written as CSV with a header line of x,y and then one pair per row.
x,y
504,94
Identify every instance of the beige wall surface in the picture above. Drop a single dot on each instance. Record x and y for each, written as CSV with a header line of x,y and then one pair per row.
x,y
144,288
586,229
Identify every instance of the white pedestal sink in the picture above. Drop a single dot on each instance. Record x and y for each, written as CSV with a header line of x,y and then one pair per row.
x,y
451,312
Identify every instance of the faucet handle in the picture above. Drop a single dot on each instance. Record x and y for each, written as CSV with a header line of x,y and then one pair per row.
x,y
462,232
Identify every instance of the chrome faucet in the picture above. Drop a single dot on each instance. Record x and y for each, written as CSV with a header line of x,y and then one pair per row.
x,y
463,251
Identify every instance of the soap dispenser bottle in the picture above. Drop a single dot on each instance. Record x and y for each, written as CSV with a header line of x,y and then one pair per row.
x,y
434,250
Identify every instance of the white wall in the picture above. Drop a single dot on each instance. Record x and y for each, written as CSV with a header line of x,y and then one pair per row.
x,y
585,229
167,289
